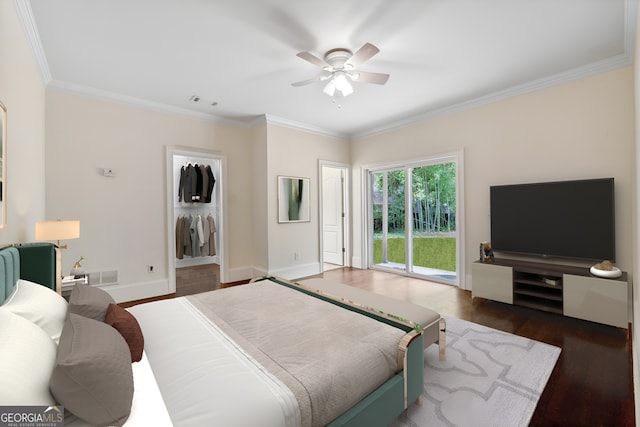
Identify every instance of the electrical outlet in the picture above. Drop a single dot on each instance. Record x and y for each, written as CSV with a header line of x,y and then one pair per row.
x,y
296,256
150,268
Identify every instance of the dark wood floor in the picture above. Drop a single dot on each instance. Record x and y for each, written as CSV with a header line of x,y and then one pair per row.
x,y
592,383
196,279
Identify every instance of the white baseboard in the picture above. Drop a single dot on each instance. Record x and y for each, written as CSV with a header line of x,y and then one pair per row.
x,y
467,285
136,291
297,271
356,262
289,273
243,273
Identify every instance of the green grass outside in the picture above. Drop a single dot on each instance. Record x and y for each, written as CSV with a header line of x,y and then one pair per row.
x,y
432,252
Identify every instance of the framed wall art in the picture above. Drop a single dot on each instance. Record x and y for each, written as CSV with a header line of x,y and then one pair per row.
x,y
293,199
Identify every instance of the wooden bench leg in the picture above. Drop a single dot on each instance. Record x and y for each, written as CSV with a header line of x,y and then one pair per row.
x,y
442,338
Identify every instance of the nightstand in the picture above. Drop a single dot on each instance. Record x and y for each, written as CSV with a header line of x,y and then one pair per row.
x,y
68,282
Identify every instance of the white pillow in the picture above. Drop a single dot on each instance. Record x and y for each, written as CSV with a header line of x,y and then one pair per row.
x,y
40,305
27,358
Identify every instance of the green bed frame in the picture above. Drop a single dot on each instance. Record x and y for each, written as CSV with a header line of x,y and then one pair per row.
x,y
36,262
389,400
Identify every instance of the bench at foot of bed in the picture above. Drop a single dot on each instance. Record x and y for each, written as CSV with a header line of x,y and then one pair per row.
x,y
423,327
433,326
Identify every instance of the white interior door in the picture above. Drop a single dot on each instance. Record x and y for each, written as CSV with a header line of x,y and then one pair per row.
x,y
332,215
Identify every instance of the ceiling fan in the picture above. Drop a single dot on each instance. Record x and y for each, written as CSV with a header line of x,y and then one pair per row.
x,y
340,67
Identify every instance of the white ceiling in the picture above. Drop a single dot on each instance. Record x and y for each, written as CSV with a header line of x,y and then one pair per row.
x,y
442,55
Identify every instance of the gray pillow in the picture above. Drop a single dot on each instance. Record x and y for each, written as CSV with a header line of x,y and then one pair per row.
x,y
89,301
92,377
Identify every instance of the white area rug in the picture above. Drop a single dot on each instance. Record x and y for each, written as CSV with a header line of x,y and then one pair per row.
x,y
490,378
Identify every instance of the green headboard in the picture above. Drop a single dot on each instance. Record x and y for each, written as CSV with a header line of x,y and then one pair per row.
x,y
36,262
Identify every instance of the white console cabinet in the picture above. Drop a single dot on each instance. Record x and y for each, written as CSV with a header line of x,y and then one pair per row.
x,y
494,282
596,299
568,290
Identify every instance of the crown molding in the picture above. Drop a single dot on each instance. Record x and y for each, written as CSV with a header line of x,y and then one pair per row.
x,y
118,98
25,14
610,64
271,119
589,70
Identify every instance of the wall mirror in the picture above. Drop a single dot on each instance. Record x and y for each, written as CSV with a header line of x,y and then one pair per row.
x,y
293,199
3,166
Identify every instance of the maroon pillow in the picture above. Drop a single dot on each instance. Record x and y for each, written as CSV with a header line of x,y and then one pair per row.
x,y
128,327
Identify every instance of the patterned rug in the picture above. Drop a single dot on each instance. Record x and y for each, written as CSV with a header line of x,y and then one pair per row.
x,y
490,378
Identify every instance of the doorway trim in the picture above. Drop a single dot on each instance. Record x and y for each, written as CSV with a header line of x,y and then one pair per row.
x,y
170,152
346,168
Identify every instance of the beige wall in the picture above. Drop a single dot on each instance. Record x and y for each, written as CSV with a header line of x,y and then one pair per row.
x,y
295,153
123,219
23,93
260,200
576,130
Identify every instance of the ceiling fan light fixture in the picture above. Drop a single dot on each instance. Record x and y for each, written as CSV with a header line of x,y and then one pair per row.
x,y
340,83
340,79
346,89
330,88
340,63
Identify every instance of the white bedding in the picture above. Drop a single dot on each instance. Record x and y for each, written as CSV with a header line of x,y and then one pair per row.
x,y
207,369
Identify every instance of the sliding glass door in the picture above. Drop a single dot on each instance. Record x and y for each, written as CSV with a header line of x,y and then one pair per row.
x,y
413,219
389,219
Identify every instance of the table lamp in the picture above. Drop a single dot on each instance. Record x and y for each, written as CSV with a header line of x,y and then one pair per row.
x,y
58,230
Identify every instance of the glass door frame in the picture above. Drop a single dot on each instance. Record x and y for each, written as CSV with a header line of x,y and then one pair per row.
x,y
456,157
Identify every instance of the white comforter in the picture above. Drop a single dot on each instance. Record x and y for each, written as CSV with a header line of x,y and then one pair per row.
x,y
207,380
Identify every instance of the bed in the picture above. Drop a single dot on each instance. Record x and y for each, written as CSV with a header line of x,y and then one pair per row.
x,y
270,353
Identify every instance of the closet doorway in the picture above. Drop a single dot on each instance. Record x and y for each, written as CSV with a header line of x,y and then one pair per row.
x,y
333,215
195,213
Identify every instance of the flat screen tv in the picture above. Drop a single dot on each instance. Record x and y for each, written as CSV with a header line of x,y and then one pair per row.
x,y
567,219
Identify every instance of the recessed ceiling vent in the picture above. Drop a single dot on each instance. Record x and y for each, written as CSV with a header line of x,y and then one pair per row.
x,y
198,99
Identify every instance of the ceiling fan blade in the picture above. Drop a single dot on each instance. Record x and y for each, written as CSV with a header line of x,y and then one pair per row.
x,y
319,78
305,82
367,77
362,55
313,59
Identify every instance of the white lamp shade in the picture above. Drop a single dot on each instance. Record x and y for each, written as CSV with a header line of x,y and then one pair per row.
x,y
57,230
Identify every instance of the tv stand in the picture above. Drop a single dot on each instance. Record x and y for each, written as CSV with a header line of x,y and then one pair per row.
x,y
556,288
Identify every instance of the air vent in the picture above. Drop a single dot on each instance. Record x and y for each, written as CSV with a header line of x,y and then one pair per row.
x,y
199,100
99,278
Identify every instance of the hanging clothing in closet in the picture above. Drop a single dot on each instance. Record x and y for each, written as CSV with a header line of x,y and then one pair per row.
x,y
196,183
212,229
210,183
195,236
180,237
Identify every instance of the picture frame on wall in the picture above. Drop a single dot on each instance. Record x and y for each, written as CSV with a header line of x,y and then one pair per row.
x,y
293,199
